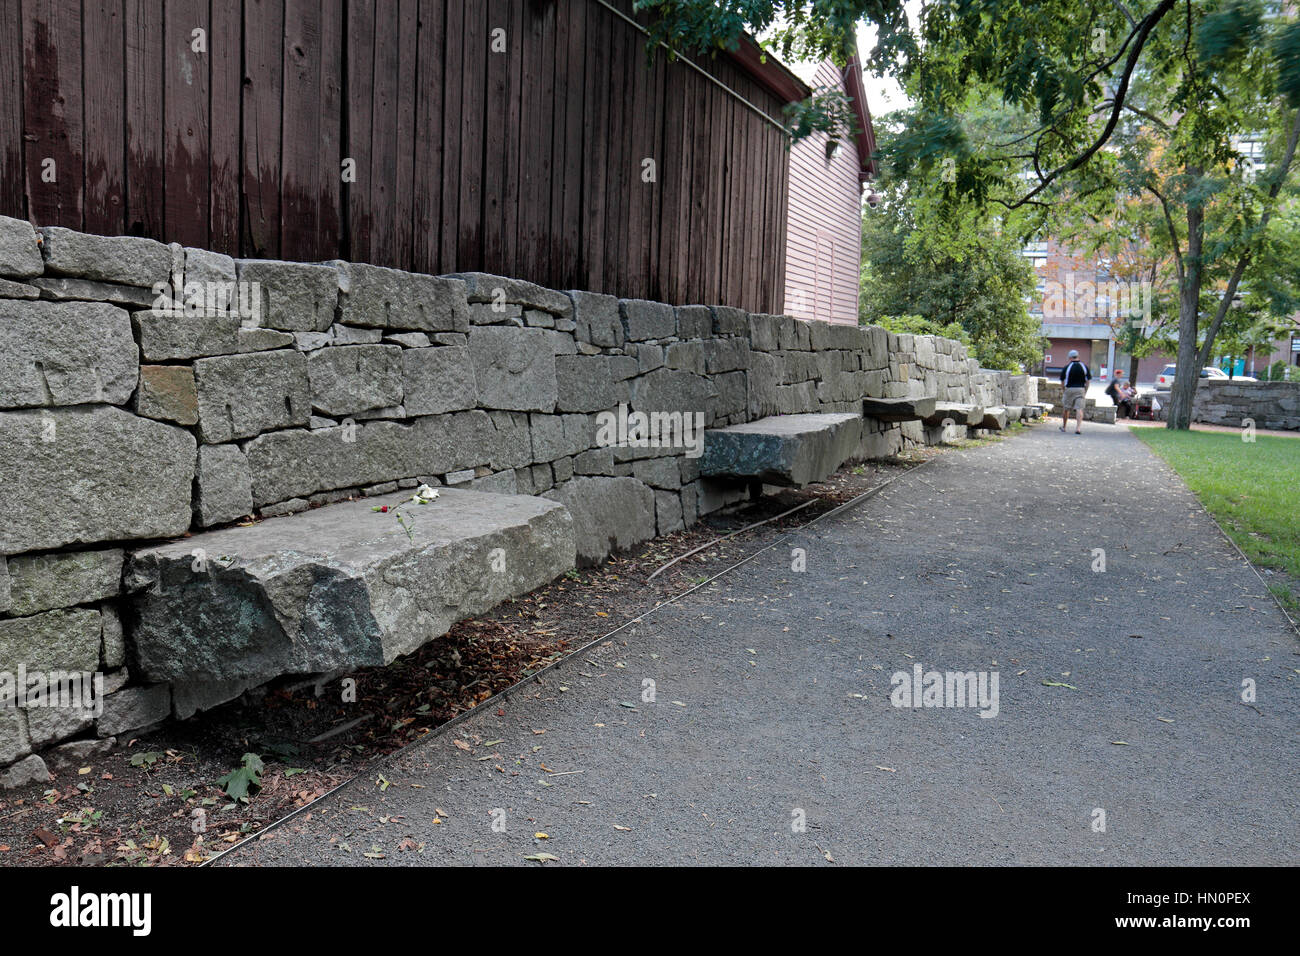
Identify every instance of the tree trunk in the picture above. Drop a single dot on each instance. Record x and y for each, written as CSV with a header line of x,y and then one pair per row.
x,y
1188,372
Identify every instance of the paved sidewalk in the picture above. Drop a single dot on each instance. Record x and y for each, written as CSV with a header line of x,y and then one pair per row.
x,y
773,694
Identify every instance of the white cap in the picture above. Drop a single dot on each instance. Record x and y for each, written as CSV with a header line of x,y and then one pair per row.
x,y
1074,353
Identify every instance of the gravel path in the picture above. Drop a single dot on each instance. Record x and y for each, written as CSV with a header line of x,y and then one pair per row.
x,y
772,698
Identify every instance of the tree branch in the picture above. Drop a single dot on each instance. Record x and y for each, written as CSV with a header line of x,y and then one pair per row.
x,y
1173,233
1283,167
1121,91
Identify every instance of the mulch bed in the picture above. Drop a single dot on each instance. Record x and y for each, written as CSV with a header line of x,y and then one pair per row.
x,y
143,803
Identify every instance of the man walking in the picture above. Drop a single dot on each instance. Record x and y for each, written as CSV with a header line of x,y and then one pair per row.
x,y
1075,377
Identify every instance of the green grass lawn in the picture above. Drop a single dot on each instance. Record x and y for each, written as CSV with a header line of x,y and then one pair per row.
x,y
1252,488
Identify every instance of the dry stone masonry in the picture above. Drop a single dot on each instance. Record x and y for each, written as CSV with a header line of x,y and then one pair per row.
x,y
150,391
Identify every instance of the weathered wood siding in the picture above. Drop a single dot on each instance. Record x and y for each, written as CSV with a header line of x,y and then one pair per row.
x,y
526,162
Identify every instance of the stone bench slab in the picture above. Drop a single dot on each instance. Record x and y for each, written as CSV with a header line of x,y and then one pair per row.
x,y
792,450
995,418
339,587
899,409
958,413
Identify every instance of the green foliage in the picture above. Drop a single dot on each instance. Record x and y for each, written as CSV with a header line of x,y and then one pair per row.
x,y
248,776
919,325
1286,51
1228,32
795,30
961,276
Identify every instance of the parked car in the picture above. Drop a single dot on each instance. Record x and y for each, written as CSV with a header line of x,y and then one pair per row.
x,y
1166,377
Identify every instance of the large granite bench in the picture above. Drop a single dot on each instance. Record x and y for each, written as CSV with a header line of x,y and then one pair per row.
x,y
343,586
954,413
793,450
995,418
899,409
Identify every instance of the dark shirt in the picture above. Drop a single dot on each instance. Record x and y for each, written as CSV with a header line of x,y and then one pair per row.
x,y
1075,375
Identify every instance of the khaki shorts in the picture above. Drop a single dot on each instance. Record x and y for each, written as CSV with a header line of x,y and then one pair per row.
x,y
1072,400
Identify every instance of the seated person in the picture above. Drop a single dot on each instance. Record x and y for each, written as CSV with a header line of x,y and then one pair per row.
x,y
1123,395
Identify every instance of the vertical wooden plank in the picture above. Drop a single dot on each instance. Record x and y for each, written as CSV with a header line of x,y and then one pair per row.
x,y
723,117
383,134
310,158
654,266
538,121
329,195
672,127
697,188
617,159
640,147
571,64
453,75
426,187
502,62
612,154
105,142
144,118
264,83
13,175
679,242
737,220
741,234
300,159
225,46
763,245
185,123
595,147
404,121
361,93
469,243
781,219
53,111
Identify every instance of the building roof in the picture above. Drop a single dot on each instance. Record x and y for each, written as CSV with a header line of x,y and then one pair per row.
x,y
780,80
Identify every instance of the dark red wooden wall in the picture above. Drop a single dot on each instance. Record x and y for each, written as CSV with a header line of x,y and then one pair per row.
x,y
526,162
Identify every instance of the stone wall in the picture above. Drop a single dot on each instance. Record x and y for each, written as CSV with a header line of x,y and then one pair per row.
x,y
1267,404
134,409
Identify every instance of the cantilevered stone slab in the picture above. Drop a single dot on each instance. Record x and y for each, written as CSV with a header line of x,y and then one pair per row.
x,y
995,418
783,449
956,412
898,409
339,587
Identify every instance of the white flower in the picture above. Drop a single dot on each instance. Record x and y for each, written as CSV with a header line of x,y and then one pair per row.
x,y
424,494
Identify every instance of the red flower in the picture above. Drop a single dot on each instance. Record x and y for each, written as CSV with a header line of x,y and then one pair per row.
x,y
384,509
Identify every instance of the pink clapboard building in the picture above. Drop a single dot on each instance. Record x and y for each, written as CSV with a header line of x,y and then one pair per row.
x,y
823,248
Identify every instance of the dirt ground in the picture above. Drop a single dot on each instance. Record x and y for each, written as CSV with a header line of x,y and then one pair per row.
x,y
155,799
